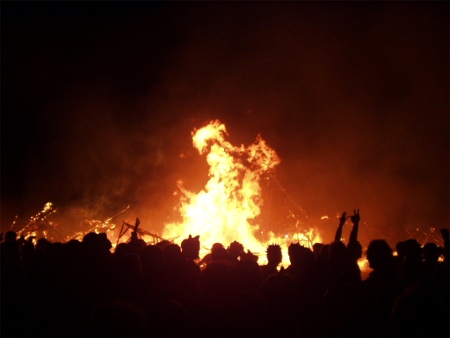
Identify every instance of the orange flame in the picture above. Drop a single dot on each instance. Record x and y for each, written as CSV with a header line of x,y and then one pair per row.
x,y
231,199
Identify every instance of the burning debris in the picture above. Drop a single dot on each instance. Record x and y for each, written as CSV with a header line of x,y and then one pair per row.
x,y
38,225
98,226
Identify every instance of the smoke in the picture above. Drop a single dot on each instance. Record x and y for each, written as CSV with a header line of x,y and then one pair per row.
x,y
352,97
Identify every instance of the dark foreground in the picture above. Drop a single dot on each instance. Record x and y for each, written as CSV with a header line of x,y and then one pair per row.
x,y
87,289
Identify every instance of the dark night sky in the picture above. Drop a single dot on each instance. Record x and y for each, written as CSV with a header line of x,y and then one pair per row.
x,y
99,100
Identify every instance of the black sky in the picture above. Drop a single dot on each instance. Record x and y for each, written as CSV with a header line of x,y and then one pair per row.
x,y
99,100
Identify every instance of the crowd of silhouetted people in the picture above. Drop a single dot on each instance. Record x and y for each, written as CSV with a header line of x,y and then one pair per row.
x,y
88,288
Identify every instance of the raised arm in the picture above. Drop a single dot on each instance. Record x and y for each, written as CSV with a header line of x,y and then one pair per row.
x,y
342,219
355,220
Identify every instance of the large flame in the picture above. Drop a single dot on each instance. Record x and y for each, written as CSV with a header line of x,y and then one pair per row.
x,y
227,208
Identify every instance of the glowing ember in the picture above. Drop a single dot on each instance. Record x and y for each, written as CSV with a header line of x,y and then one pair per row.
x,y
30,228
231,198
47,207
363,264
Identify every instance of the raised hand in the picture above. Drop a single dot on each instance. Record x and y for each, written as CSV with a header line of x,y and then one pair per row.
x,y
355,217
343,218
355,220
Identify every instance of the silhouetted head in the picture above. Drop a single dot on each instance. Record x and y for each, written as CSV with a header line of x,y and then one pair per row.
x,y
91,242
172,252
217,278
74,243
219,254
131,265
431,252
379,254
216,246
249,274
409,247
235,249
338,252
152,256
324,253
73,249
137,245
190,247
274,254
317,248
413,249
105,243
277,291
163,244
301,257
10,236
121,249
294,253
42,245
354,250
307,259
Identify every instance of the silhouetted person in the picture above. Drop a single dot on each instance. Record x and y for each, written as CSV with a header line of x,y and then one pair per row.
x,y
208,257
378,291
422,309
105,243
410,265
247,314
80,288
11,280
308,292
219,298
430,260
190,272
274,258
339,255
10,250
354,249
153,275
249,276
280,316
220,254
345,278
190,248
317,249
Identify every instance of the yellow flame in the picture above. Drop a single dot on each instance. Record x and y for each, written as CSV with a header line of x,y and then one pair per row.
x,y
363,264
225,210
47,207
